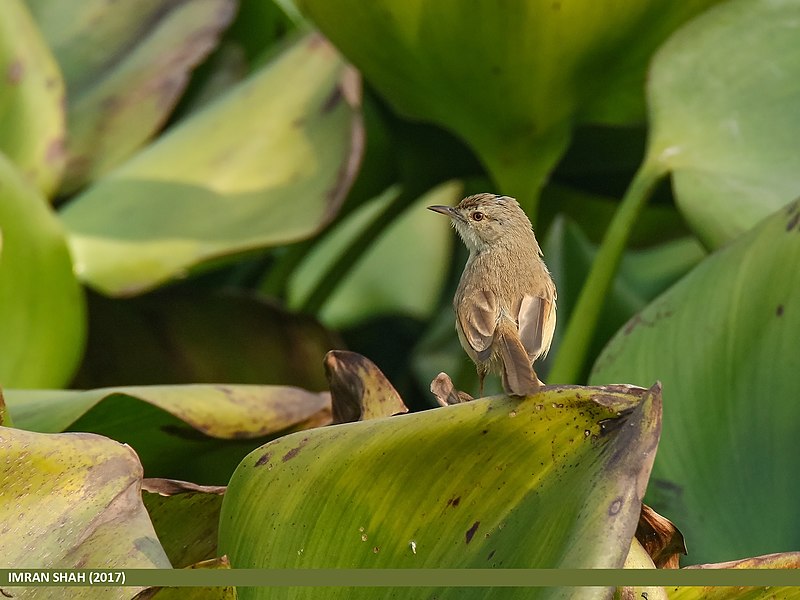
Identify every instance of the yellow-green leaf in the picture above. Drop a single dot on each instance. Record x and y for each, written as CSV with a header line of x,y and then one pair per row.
x,y
42,320
73,501
266,164
31,100
126,65
552,480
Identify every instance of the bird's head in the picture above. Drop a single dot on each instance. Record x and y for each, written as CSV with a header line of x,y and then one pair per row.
x,y
486,220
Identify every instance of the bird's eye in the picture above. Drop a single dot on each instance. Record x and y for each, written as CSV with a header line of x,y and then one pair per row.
x,y
477,216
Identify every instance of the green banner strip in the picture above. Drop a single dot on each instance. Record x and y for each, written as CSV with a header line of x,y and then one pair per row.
x,y
399,577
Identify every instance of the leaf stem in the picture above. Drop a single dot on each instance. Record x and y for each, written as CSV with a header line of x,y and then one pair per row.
x,y
572,353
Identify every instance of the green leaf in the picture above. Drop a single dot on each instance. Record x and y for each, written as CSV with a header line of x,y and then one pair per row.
x,y
642,275
170,427
73,501
723,96
185,517
722,342
42,320
511,80
403,272
32,117
125,65
552,480
266,164
196,337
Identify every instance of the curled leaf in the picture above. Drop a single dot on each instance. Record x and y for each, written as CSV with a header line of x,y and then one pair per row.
x,y
660,538
359,390
446,393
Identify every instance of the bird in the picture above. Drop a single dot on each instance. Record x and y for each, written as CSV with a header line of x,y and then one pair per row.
x,y
505,303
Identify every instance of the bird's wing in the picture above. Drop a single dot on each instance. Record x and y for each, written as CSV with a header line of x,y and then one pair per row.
x,y
536,325
478,320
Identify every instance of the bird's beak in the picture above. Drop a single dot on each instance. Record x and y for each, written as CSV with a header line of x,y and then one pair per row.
x,y
446,210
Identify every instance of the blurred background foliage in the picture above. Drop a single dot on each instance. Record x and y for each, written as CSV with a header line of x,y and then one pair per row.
x,y
213,191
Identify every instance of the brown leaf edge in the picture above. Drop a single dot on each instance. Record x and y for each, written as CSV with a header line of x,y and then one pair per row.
x,y
660,538
359,389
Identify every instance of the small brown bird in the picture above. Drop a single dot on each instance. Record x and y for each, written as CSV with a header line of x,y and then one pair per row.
x,y
505,303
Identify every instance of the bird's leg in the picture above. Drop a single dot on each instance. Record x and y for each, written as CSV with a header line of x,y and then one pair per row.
x,y
481,376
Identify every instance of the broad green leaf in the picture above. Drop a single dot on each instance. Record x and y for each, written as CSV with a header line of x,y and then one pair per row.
x,y
172,427
42,321
789,560
126,65
73,501
511,80
195,337
552,480
403,272
724,94
32,117
723,342
185,517
266,164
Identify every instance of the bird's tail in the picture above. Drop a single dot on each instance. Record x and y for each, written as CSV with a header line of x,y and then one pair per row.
x,y
519,377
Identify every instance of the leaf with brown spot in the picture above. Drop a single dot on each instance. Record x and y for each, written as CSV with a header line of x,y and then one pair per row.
x,y
126,65
359,390
717,343
660,538
185,517
73,501
433,478
32,119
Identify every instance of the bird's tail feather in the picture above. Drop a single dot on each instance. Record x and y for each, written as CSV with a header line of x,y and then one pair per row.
x,y
519,377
